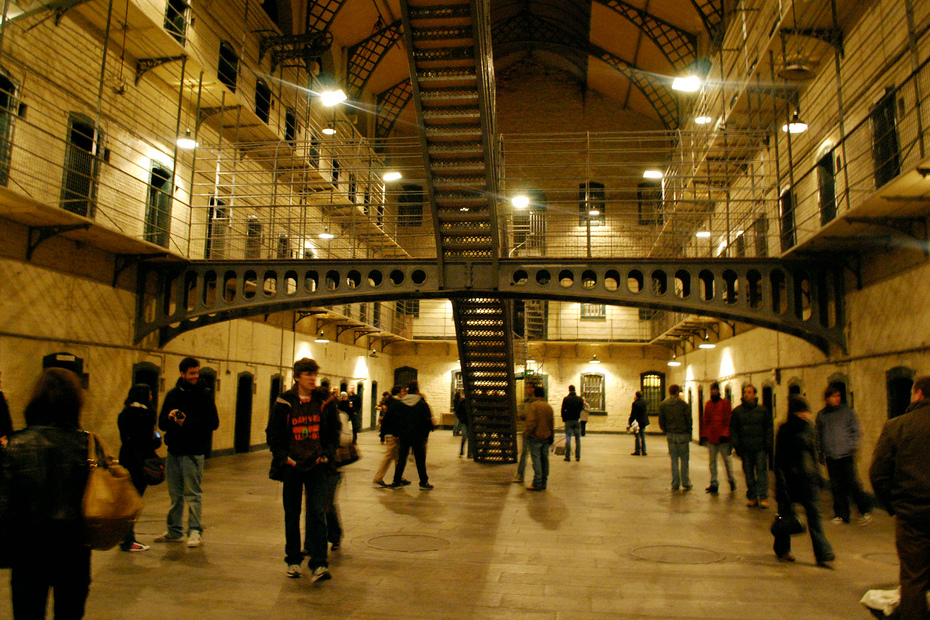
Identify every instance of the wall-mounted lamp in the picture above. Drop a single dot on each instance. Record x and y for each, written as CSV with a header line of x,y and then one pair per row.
x,y
703,234
707,344
332,97
321,338
687,84
653,174
186,141
373,354
796,125
326,234
330,129
594,360
674,361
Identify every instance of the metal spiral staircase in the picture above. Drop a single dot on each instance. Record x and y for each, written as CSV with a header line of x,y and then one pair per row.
x,y
451,67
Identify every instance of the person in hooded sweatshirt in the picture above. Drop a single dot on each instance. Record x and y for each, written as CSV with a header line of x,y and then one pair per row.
x,y
188,416
837,432
715,432
415,425
751,430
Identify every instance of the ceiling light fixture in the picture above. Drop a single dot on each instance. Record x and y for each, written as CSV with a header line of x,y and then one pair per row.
x,y
796,125
332,97
373,353
530,361
674,361
330,130
653,174
392,175
703,234
520,202
688,84
594,360
707,344
594,212
326,234
186,141
704,120
321,338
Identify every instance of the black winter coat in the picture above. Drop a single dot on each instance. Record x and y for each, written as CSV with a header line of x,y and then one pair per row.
x,y
571,407
196,401
137,433
797,475
278,432
751,429
6,422
639,413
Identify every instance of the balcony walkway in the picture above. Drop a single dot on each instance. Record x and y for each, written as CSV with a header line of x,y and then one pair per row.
x,y
607,540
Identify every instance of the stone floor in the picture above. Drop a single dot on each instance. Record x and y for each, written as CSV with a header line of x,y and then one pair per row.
x,y
607,540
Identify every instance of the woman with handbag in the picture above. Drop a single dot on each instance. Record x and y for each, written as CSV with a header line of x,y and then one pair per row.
x,y
139,441
43,473
798,481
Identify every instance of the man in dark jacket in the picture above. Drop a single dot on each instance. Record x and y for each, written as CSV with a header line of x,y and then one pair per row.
x,y
639,413
303,435
416,423
571,415
900,475
390,425
675,421
837,441
188,417
751,430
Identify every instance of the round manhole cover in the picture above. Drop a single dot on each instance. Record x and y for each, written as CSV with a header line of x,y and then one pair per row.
x,y
408,543
675,554
882,558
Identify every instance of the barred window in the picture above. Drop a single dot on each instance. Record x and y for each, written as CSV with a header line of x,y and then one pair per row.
x,y
650,204
653,388
592,202
410,209
597,312
592,390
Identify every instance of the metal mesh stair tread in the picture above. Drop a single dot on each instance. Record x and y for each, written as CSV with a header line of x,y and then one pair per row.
x,y
442,33
444,53
445,94
441,11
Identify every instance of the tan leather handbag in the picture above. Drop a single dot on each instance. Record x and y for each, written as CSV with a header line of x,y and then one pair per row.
x,y
111,503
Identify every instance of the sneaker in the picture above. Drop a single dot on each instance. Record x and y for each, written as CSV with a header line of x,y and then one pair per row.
x,y
321,573
824,562
752,503
137,547
635,453
763,503
381,483
711,489
426,486
293,571
395,485
405,482
168,538
865,519
837,520
193,540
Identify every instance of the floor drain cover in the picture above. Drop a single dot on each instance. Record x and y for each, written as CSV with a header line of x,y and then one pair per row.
x,y
408,543
675,554
882,558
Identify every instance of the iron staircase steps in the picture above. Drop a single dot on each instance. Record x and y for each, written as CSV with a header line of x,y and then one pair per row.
x,y
449,56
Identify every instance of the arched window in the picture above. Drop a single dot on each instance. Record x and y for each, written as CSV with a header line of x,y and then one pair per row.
x,y
653,389
404,375
592,390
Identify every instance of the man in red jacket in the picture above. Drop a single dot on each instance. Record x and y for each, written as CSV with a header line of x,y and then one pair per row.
x,y
715,432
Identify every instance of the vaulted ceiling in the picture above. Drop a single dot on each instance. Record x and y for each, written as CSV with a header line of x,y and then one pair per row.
x,y
621,49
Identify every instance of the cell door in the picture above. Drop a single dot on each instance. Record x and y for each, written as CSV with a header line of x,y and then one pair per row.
x,y
243,431
79,183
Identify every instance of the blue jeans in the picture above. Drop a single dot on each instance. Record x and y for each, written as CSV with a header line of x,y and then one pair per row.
x,y
184,472
756,469
316,483
822,549
572,428
679,450
640,436
724,450
539,452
